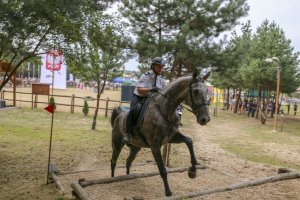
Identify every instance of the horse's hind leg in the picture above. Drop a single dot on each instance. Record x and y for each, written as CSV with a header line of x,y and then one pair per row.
x,y
162,170
133,152
117,146
179,138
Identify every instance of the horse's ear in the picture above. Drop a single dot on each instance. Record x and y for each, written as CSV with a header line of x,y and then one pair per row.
x,y
206,76
195,73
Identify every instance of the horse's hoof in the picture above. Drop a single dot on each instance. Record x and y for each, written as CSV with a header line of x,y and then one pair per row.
x,y
169,193
192,173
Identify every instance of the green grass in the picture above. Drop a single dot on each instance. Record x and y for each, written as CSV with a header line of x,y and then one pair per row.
x,y
256,154
24,144
250,138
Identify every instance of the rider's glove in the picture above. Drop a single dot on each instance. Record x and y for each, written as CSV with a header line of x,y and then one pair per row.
x,y
154,90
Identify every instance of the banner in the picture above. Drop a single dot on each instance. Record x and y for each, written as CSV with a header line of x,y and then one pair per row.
x,y
218,95
60,69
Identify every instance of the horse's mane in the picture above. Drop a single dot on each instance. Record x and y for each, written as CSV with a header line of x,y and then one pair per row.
x,y
175,82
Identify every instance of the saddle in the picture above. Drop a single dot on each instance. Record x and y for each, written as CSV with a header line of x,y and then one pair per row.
x,y
139,113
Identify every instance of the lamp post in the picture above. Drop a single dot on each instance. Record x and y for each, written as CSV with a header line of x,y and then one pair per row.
x,y
275,60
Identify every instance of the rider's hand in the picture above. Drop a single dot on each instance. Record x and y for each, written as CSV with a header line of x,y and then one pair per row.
x,y
154,90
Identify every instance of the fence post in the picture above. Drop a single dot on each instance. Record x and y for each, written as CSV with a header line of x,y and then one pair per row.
x,y
106,107
72,103
35,100
31,101
281,122
3,96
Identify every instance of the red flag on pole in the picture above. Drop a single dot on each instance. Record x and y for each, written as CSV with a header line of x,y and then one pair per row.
x,y
50,108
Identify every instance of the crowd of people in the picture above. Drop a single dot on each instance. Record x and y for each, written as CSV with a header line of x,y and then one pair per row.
x,y
250,106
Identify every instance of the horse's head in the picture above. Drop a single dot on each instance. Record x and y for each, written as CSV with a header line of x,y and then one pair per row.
x,y
197,98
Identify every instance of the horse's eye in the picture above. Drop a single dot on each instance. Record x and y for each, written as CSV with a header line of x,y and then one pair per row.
x,y
196,91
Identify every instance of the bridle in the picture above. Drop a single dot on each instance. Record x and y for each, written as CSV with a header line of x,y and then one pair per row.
x,y
194,106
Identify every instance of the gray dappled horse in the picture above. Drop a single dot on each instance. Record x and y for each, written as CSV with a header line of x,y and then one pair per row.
x,y
160,123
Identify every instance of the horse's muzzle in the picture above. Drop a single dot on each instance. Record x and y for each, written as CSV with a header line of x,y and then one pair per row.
x,y
203,120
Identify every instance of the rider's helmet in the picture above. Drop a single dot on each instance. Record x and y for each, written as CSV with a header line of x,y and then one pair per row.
x,y
157,60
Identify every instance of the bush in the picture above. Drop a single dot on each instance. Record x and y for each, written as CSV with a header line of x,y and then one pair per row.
x,y
85,108
52,102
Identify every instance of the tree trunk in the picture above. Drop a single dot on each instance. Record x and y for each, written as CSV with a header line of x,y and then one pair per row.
x,y
227,99
235,186
258,107
135,176
264,117
99,92
159,29
238,97
57,183
233,95
224,101
79,191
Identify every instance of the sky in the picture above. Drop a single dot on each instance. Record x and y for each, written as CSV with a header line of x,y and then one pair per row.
x,y
285,13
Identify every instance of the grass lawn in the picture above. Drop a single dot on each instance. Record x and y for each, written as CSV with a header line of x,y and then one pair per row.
x,y
24,138
24,144
250,140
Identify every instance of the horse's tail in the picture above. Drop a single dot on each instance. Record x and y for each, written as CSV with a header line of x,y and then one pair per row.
x,y
114,115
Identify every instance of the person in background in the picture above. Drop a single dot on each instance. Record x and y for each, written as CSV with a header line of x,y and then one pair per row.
x,y
295,109
179,112
288,108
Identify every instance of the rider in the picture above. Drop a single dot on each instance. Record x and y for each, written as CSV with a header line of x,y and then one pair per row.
x,y
150,82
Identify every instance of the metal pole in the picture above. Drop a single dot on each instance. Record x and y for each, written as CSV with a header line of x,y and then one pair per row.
x,y
53,67
277,95
50,143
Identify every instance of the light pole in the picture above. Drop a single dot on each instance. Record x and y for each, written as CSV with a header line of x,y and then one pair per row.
x,y
275,60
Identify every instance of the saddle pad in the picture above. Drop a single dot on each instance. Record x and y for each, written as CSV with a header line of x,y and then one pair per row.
x,y
141,113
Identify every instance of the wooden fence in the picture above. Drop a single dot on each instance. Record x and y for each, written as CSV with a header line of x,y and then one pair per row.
x,y
105,105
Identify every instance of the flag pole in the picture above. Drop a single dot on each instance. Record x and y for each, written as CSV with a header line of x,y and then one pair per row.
x,y
50,145
52,119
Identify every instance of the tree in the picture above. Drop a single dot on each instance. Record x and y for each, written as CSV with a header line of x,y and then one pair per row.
x,y
183,29
102,55
269,41
244,64
30,28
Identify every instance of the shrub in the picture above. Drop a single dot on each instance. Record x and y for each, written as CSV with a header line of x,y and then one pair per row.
x,y
85,108
52,102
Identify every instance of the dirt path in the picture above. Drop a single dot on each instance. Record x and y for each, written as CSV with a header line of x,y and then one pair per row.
x,y
223,168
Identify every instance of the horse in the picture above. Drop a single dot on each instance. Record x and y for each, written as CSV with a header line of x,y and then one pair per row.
x,y
160,123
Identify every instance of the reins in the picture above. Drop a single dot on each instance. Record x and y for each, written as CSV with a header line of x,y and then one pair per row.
x,y
194,105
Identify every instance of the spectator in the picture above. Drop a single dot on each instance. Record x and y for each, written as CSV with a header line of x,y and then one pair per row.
x,y
288,108
179,112
250,106
240,106
295,109
244,106
254,107
263,106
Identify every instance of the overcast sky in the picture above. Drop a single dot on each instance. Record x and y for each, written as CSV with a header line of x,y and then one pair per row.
x,y
285,13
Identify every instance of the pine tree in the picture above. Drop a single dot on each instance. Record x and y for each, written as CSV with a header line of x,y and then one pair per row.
x,y
181,29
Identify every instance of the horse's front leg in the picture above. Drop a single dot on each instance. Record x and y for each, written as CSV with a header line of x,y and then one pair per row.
x,y
162,170
179,138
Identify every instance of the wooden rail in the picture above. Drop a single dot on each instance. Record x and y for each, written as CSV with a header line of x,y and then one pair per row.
x,y
72,105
